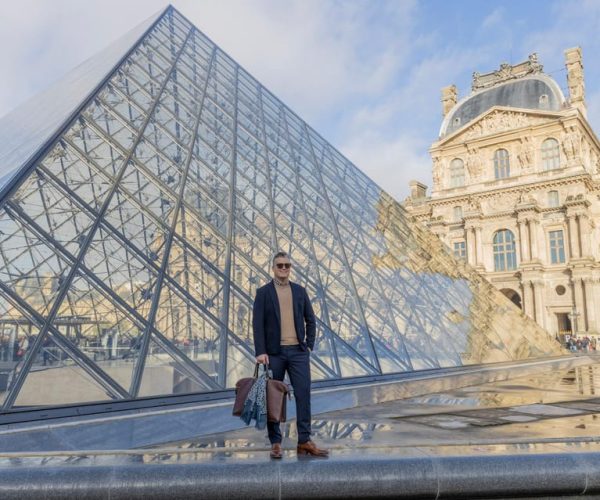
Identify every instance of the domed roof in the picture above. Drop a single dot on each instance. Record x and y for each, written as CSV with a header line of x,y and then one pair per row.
x,y
531,92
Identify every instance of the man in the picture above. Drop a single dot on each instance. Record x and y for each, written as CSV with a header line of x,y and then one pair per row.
x,y
284,328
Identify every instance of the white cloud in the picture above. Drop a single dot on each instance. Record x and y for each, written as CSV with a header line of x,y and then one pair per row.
x,y
40,41
495,18
575,24
314,55
391,162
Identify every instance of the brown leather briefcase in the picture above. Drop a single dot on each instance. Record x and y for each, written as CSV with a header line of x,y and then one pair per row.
x,y
276,397
276,400
242,388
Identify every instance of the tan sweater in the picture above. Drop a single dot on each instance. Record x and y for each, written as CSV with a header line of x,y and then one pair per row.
x,y
286,311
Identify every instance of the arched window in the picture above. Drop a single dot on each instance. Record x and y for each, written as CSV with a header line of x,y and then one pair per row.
x,y
505,255
457,173
550,154
501,164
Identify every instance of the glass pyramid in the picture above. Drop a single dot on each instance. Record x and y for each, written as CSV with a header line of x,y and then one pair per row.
x,y
135,232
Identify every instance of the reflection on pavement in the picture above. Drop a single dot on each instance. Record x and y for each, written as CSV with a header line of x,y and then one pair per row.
x,y
552,412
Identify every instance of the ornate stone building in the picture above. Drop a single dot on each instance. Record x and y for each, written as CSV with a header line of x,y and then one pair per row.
x,y
516,188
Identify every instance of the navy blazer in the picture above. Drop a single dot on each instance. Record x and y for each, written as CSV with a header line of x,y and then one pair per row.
x,y
266,319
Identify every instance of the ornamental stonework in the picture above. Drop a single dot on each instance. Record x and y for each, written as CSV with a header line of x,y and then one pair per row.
x,y
500,121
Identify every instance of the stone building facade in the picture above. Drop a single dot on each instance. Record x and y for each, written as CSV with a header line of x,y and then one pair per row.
x,y
516,188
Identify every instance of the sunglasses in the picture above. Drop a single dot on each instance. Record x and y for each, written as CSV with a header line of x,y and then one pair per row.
x,y
287,265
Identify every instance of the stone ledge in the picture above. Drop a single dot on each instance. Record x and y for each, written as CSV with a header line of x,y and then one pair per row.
x,y
491,476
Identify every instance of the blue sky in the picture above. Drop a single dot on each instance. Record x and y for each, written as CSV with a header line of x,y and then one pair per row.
x,y
366,74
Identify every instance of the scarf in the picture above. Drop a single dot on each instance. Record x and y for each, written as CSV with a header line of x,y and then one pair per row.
x,y
255,406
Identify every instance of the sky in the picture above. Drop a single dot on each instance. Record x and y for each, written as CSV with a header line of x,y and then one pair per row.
x,y
366,74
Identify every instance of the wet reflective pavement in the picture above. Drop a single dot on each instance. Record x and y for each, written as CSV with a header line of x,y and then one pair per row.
x,y
555,412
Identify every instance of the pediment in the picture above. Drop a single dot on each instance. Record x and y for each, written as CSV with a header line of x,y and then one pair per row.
x,y
500,119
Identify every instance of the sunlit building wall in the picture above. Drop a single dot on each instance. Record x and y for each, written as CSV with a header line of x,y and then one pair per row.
x,y
516,171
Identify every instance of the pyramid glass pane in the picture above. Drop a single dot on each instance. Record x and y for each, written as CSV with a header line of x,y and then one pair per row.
x,y
165,375
44,382
132,243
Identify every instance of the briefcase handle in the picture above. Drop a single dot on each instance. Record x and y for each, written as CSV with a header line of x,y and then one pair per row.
x,y
267,369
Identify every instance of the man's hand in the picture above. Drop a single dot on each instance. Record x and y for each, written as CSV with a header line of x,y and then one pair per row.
x,y
263,359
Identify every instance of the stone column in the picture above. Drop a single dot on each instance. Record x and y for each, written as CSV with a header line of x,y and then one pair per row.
x,y
528,299
585,231
449,98
580,304
573,238
469,236
590,289
523,240
533,239
538,289
575,78
479,245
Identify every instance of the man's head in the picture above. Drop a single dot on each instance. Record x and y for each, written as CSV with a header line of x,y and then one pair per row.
x,y
281,266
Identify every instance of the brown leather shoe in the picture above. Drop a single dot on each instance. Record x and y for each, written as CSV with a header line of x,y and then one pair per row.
x,y
276,451
310,449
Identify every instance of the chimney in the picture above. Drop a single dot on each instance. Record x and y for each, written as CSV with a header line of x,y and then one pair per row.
x,y
575,80
449,98
418,191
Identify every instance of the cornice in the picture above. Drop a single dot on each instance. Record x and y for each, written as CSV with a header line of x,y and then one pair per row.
x,y
517,188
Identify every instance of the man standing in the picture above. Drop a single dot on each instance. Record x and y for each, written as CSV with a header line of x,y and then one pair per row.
x,y
284,328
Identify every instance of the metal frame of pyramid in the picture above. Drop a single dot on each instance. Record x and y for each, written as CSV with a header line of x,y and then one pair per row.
x,y
133,238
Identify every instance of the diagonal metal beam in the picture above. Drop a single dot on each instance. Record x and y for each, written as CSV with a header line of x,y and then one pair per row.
x,y
139,368
222,375
341,245
199,375
311,234
14,184
112,387
20,378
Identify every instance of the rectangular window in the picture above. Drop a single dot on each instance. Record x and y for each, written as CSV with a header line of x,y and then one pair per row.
x,y
460,250
550,154
557,247
553,200
458,213
457,173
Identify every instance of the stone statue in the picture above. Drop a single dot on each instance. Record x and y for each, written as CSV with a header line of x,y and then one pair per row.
x,y
436,172
585,153
505,71
473,162
570,142
534,64
525,153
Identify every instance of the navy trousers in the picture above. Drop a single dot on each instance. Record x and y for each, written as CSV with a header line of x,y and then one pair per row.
x,y
296,362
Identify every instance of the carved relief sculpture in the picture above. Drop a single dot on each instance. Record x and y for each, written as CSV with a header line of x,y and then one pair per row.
x,y
474,164
498,122
570,140
525,153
